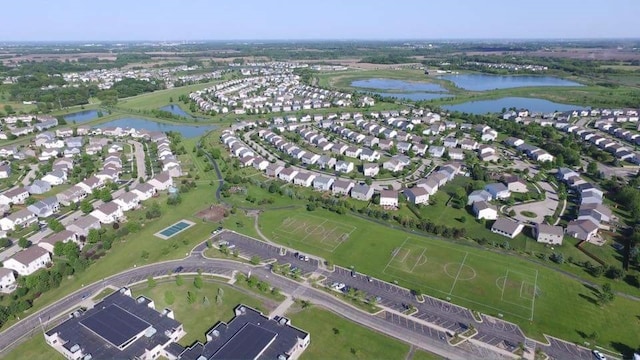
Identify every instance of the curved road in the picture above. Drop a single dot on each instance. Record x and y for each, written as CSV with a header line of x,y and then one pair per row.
x,y
13,335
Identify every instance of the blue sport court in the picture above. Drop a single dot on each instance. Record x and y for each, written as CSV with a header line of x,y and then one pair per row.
x,y
174,229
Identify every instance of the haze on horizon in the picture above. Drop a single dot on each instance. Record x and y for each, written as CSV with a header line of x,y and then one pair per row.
x,y
162,20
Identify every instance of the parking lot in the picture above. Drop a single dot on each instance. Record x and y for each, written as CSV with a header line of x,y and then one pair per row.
x,y
248,247
415,326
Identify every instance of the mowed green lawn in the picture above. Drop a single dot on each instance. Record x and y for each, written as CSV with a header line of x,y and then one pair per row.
x,y
333,337
563,307
158,99
452,272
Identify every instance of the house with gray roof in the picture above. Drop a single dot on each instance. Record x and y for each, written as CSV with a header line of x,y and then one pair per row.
x,y
323,183
507,227
342,187
38,187
362,192
479,195
45,207
548,234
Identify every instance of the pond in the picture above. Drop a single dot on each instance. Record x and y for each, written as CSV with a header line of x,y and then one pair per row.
x,y
188,131
496,105
483,82
82,116
399,85
176,110
415,96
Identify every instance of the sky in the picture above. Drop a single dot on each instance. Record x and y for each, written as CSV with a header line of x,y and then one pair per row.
x,y
164,20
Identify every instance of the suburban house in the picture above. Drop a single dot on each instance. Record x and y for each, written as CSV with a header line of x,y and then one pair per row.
x,y
430,185
82,226
484,210
108,212
304,179
515,184
7,281
456,154
362,192
393,165
90,184
597,213
288,174
417,195
507,227
72,195
388,198
144,191
19,219
39,187
14,196
161,181
28,261
50,241
344,166
56,177
5,171
45,207
582,229
498,191
436,151
274,170
478,195
548,234
323,183
342,187
127,201
326,162
370,169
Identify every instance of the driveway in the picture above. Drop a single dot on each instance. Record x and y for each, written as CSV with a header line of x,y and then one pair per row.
x,y
138,152
546,207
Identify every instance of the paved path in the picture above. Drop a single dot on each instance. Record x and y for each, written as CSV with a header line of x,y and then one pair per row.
x,y
140,163
30,175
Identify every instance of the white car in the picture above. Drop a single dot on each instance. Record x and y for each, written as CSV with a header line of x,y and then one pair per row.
x,y
599,355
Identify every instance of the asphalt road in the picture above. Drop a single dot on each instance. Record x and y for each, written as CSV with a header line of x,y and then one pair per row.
x,y
138,152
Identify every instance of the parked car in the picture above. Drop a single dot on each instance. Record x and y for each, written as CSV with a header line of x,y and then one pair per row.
x,y
599,355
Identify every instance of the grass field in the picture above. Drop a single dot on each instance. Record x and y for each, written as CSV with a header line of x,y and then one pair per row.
x,y
158,99
489,282
333,337
315,231
454,273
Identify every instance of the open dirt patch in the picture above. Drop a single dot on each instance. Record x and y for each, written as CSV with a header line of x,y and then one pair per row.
x,y
213,213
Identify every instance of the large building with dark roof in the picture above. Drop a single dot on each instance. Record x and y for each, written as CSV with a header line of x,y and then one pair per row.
x,y
249,335
124,327
118,327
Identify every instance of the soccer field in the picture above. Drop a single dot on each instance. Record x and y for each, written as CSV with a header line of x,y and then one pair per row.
x,y
456,274
313,231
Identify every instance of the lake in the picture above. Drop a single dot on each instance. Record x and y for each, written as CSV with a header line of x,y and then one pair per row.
x,y
415,96
496,105
482,82
176,110
400,85
82,116
188,131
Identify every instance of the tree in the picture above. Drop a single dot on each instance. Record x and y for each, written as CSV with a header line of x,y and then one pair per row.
x,y
86,207
24,243
4,242
151,282
179,280
58,249
191,298
55,225
93,236
197,282
255,260
606,294
9,109
592,168
615,273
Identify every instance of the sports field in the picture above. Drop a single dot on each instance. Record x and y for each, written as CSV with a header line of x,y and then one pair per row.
x,y
507,288
313,231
